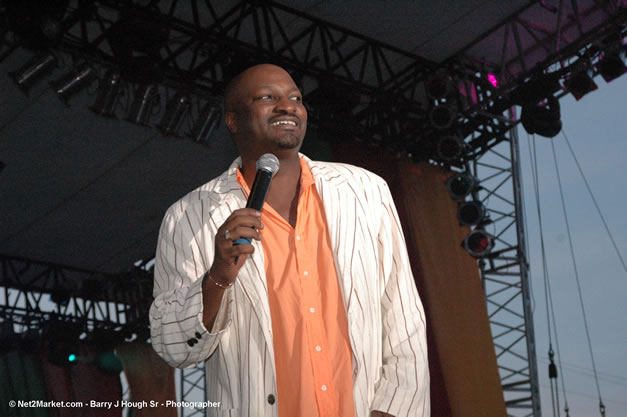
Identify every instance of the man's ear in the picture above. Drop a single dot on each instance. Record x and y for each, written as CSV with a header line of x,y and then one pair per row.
x,y
230,118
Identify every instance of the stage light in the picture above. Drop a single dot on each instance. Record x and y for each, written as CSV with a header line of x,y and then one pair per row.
x,y
450,148
38,23
543,119
35,69
63,353
74,81
63,342
136,40
442,116
60,296
440,85
207,122
493,80
175,110
104,341
471,213
478,243
145,98
612,65
580,83
461,184
108,94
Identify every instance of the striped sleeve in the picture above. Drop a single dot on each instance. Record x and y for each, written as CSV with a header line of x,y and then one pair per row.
x,y
403,389
176,329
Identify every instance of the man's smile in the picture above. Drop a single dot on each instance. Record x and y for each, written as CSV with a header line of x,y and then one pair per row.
x,y
283,122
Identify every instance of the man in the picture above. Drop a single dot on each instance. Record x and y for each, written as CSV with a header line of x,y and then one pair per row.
x,y
319,315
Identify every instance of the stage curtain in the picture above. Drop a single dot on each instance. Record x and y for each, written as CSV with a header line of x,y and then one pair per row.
x,y
89,383
464,374
149,378
21,379
84,382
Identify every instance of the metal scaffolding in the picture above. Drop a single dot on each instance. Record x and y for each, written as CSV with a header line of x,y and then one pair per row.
x,y
504,274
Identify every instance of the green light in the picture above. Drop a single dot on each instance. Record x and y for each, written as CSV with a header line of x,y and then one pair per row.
x,y
72,357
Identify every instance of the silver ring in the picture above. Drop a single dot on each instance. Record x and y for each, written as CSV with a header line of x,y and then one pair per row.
x,y
227,235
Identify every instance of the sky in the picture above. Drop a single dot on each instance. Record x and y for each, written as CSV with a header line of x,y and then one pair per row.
x,y
596,127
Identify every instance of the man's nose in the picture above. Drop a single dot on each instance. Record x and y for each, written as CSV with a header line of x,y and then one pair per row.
x,y
286,105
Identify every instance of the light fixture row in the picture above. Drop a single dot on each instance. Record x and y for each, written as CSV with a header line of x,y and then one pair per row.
x,y
146,98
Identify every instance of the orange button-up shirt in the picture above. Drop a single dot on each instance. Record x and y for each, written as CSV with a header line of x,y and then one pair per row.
x,y
310,330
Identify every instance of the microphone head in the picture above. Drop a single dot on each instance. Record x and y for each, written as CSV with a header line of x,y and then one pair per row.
x,y
268,162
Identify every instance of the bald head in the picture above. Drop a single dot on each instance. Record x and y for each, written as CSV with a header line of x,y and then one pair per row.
x,y
249,78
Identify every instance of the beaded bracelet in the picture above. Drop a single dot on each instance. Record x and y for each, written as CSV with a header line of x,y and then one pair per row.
x,y
224,287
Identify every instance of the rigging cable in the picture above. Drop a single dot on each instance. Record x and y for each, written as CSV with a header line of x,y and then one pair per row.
x,y
545,272
572,254
607,229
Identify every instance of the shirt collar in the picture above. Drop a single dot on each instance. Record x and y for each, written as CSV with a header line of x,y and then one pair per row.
x,y
306,177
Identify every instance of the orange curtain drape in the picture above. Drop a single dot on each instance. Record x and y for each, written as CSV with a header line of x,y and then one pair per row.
x,y
464,374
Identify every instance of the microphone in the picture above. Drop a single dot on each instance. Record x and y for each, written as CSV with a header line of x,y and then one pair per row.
x,y
267,166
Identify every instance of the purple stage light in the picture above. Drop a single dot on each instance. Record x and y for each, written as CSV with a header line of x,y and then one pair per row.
x,y
493,80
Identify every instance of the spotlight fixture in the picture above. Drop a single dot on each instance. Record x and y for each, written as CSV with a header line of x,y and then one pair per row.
x,y
471,213
612,65
207,122
478,243
60,296
461,184
580,83
72,82
442,116
543,119
136,40
63,353
105,341
38,23
439,85
450,148
493,80
108,94
145,98
35,69
175,110
63,338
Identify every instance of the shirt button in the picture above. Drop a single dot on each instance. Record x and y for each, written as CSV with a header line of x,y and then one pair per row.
x,y
297,237
271,399
318,348
324,388
306,273
312,310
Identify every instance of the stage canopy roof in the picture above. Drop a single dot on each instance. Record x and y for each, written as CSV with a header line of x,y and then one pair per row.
x,y
86,191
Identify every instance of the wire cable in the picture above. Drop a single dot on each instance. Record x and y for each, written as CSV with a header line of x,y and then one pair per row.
x,y
548,299
607,229
581,302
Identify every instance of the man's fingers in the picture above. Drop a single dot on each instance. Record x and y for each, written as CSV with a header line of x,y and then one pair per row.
x,y
242,223
244,231
243,213
243,217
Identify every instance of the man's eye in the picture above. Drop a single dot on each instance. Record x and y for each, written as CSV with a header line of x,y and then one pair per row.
x,y
264,97
296,98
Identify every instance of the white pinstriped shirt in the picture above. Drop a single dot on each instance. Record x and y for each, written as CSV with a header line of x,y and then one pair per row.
x,y
386,320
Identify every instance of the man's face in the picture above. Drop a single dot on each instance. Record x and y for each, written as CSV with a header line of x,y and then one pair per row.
x,y
268,113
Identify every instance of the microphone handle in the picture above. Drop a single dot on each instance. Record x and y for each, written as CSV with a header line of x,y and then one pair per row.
x,y
257,196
